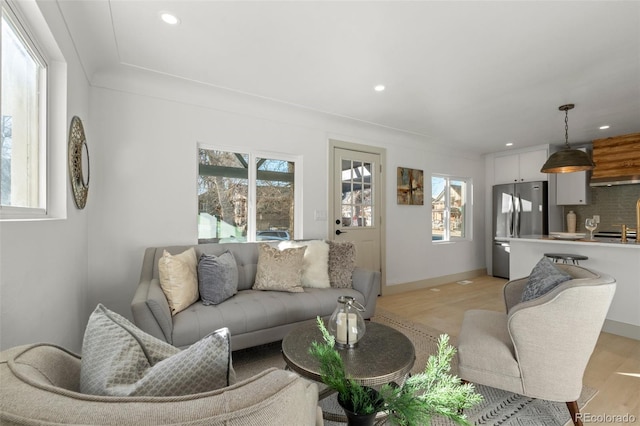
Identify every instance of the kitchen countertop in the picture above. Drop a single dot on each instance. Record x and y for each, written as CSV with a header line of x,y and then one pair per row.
x,y
600,241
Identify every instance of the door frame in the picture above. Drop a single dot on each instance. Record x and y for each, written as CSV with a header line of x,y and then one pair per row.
x,y
382,152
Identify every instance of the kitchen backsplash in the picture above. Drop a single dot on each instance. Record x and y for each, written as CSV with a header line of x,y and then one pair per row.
x,y
614,204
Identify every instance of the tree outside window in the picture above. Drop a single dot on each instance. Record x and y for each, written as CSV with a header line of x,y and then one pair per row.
x,y
229,183
450,208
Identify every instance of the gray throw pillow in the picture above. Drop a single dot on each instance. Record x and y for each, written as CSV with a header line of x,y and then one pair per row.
x,y
217,277
119,359
544,278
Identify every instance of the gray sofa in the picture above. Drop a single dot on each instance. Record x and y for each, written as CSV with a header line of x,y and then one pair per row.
x,y
254,317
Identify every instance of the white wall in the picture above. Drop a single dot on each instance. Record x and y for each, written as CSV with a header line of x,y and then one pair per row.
x,y
43,264
146,169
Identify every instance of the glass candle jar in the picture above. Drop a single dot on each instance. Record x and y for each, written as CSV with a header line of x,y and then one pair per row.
x,y
346,323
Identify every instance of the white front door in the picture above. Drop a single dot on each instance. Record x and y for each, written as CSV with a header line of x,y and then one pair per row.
x,y
357,198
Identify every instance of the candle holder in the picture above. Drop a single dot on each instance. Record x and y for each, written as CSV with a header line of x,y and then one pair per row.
x,y
346,323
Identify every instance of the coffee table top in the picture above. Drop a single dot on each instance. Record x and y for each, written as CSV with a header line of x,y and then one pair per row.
x,y
383,355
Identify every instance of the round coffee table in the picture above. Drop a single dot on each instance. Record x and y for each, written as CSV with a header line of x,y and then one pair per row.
x,y
383,355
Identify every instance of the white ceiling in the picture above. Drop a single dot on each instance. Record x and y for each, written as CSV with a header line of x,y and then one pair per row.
x,y
473,74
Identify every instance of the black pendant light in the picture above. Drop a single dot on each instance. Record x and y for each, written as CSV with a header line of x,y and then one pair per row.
x,y
567,160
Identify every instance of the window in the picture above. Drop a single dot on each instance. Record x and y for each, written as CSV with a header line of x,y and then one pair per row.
x,y
245,197
450,208
23,183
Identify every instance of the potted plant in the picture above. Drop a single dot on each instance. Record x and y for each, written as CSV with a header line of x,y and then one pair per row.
x,y
432,392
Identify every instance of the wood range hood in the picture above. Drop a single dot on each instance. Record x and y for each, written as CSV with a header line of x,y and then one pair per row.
x,y
617,160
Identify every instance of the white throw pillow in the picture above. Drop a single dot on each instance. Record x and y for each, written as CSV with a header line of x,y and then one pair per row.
x,y
179,279
315,266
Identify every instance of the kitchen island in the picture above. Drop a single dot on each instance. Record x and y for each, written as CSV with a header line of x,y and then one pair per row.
x,y
610,256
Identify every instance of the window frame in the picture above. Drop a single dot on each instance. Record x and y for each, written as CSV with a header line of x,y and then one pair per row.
x,y
251,182
20,25
468,209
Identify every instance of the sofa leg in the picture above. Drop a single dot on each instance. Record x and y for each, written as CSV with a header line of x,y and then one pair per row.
x,y
575,412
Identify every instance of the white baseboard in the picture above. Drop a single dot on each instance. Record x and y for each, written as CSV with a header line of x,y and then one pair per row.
x,y
432,282
621,329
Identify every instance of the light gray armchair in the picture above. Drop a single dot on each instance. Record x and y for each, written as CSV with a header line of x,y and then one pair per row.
x,y
539,348
39,385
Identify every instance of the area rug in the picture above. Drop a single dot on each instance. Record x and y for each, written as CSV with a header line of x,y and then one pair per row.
x,y
498,408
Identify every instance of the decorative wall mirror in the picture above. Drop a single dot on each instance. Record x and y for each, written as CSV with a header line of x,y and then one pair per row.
x,y
78,162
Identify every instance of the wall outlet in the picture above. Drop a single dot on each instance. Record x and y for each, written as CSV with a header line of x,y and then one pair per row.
x,y
596,217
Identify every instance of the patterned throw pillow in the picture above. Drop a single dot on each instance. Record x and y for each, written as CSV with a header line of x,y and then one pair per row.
x,y
279,270
342,262
119,359
544,278
315,266
179,279
217,277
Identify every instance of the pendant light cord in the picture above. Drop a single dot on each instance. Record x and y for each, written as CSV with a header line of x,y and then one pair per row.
x,y
566,127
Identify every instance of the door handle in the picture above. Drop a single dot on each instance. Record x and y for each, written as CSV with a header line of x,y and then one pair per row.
x,y
338,232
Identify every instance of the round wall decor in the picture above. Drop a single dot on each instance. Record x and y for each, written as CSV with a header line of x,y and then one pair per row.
x,y
78,162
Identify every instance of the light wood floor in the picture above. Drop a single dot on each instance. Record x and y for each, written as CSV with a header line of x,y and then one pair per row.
x,y
614,368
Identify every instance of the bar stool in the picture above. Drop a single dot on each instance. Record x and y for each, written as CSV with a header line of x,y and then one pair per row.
x,y
566,257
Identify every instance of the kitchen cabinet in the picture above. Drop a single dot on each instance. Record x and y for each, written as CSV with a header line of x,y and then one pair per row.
x,y
520,167
572,189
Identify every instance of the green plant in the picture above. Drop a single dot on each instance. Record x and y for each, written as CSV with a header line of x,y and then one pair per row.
x,y
435,391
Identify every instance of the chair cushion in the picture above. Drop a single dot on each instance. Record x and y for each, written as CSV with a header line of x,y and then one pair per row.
x,y
179,279
485,351
543,278
279,270
217,277
118,359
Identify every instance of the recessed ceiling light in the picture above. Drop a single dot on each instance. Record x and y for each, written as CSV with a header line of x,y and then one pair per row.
x,y
169,18
509,144
379,88
604,127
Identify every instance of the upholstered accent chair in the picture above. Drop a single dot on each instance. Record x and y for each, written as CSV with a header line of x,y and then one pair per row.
x,y
39,385
538,348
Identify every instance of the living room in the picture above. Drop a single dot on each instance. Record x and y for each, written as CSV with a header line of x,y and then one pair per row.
x,y
143,130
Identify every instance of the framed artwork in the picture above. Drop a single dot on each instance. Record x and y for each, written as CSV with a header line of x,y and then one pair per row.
x,y
410,186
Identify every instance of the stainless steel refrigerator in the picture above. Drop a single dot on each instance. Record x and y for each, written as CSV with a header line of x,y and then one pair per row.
x,y
519,209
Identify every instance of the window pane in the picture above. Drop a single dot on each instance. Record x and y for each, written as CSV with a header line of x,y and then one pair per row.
x,y
20,161
438,200
274,199
222,196
457,191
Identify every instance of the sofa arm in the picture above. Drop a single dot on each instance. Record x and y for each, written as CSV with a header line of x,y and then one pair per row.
x,y
367,282
151,312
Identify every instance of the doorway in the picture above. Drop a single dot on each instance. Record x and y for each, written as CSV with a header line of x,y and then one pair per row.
x,y
357,201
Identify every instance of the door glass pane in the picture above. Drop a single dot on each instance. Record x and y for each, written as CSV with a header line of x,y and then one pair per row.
x,y
222,196
274,199
357,194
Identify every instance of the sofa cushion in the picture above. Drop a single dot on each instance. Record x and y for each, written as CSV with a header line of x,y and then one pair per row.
x,y
315,266
118,359
342,262
279,270
543,278
178,279
217,278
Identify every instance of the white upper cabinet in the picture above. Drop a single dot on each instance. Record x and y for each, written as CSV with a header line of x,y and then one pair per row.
x,y
572,189
521,167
